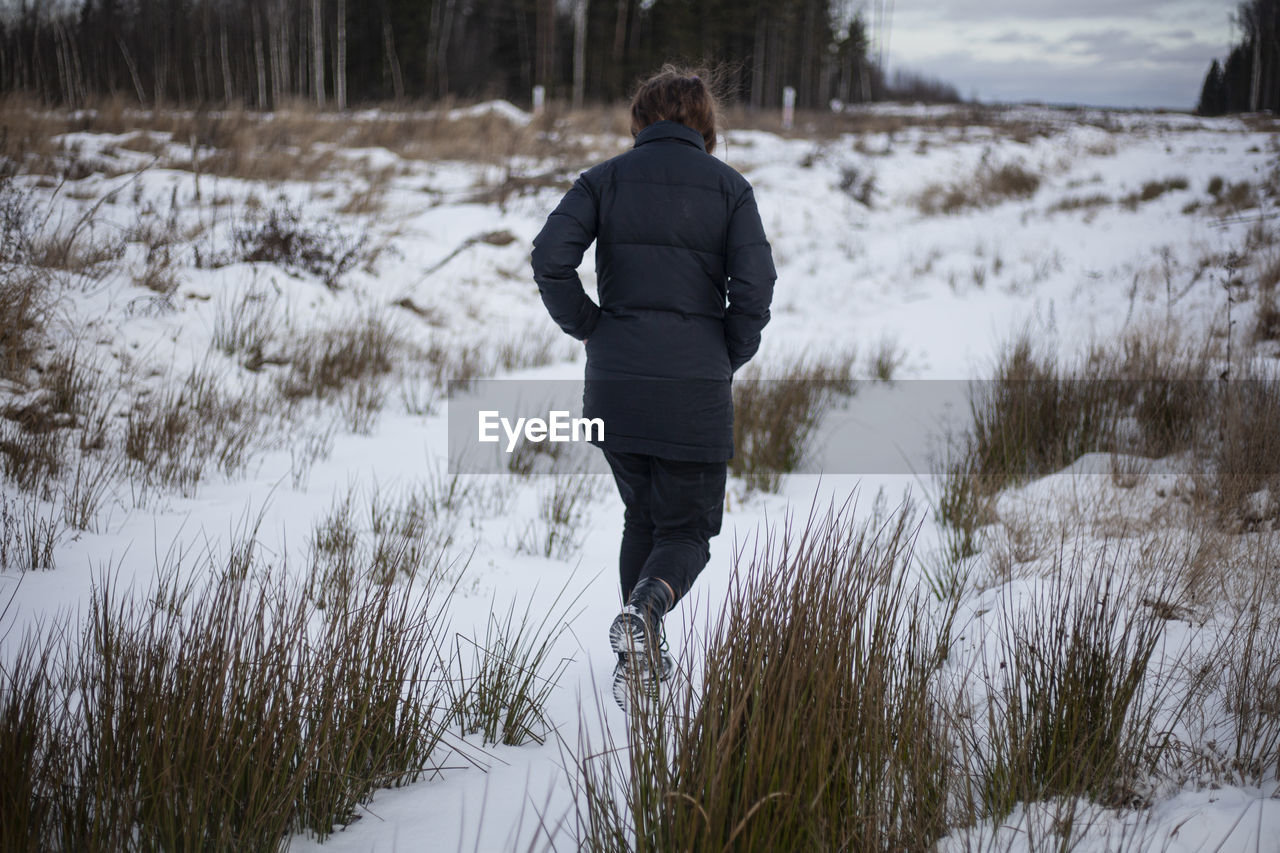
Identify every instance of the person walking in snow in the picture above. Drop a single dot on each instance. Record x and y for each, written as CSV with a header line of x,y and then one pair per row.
x,y
685,277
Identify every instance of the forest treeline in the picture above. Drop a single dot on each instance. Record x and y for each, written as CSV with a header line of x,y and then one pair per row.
x,y
1249,79
264,53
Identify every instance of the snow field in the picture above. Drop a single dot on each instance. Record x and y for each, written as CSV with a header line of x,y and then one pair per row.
x,y
440,259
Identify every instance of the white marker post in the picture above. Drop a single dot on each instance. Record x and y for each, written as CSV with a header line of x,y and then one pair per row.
x,y
788,107
539,99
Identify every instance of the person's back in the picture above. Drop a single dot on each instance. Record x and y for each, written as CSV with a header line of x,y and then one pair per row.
x,y
664,213
685,277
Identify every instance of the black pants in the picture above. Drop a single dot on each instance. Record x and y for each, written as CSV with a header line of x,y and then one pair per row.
x,y
672,511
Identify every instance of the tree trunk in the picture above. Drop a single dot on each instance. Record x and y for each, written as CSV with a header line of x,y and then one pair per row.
x,y
442,50
133,72
1256,83
579,52
340,75
212,73
317,52
64,73
82,89
228,91
546,43
389,47
273,57
620,44
758,60
282,56
160,75
259,59
302,87
807,56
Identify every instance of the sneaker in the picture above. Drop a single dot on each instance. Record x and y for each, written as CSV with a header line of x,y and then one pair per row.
x,y
631,684
632,640
636,634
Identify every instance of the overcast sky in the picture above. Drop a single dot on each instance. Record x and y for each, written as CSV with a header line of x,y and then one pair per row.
x,y
1124,53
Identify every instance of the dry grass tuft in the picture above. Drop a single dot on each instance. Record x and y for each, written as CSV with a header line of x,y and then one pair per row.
x,y
24,291
281,236
1086,203
1071,712
173,437
370,199
1033,418
22,309
227,713
250,324
30,531
32,460
1244,675
324,361
1267,322
502,694
990,185
1152,190
774,418
1233,198
816,723
1151,396
563,503
1247,458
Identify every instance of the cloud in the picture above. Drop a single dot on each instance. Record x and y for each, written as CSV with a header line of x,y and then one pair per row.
x,y
1018,37
1105,52
1111,45
994,10
1089,84
1124,48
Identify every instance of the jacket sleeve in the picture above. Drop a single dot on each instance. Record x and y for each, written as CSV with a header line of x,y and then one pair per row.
x,y
557,251
749,265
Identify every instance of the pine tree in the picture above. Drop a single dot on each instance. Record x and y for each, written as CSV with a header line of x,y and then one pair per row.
x,y
1213,96
1237,77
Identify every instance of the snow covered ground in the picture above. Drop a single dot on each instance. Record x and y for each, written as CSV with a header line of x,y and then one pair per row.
x,y
861,268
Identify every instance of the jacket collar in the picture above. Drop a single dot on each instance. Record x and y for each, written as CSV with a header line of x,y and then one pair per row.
x,y
670,130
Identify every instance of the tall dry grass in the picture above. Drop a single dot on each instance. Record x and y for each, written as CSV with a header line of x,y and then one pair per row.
x,y
227,709
814,721
1246,457
175,436
990,184
226,713
298,142
23,292
1034,417
323,361
1149,396
1074,709
281,235
564,501
502,680
774,417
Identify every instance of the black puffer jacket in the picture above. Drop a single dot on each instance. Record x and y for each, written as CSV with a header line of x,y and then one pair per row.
x,y
685,277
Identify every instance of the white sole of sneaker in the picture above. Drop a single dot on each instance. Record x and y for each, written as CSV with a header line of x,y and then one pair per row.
x,y
627,634
630,684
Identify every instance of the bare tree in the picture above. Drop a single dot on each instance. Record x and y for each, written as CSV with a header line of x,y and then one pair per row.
x,y
317,52
443,34
389,51
340,76
544,70
579,52
133,71
259,58
228,90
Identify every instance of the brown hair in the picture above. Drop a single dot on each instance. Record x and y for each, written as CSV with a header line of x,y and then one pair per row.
x,y
676,94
